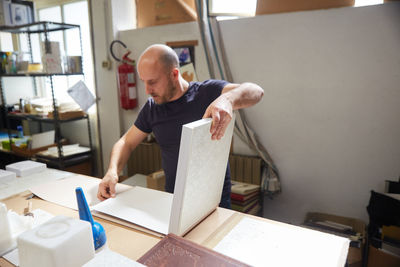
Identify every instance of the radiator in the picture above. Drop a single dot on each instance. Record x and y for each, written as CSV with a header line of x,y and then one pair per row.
x,y
146,159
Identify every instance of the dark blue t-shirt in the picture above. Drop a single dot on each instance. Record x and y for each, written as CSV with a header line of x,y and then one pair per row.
x,y
166,121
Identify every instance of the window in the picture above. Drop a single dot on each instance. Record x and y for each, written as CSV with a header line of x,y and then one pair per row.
x,y
70,44
367,2
72,12
228,9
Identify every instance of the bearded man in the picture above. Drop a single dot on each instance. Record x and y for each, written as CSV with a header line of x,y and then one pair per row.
x,y
173,103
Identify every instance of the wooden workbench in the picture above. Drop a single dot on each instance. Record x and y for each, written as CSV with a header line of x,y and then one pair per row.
x,y
134,243
121,239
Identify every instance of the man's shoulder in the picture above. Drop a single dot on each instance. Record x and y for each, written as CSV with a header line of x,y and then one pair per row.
x,y
212,83
148,105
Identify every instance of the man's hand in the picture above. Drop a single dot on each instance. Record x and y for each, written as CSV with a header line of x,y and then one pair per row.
x,y
220,110
107,186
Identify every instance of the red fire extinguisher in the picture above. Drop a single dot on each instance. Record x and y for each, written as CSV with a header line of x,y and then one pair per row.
x,y
126,79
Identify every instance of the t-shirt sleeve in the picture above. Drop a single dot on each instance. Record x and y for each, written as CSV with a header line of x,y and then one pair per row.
x,y
143,119
211,89
216,86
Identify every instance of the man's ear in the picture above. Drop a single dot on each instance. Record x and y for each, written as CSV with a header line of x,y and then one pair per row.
x,y
175,74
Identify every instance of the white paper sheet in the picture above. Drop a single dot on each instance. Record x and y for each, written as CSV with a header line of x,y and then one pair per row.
x,y
108,258
82,96
143,206
62,192
7,176
260,243
21,184
12,257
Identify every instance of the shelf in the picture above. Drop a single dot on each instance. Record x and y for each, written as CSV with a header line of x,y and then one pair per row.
x,y
43,28
38,74
20,116
67,161
72,158
38,27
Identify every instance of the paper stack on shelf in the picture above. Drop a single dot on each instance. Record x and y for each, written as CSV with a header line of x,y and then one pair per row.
x,y
245,197
26,167
68,110
68,150
41,106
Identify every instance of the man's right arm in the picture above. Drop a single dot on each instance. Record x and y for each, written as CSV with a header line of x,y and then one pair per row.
x,y
119,156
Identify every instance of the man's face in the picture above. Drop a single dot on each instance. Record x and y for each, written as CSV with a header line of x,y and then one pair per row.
x,y
158,82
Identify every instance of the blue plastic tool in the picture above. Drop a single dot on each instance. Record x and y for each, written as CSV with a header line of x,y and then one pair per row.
x,y
99,235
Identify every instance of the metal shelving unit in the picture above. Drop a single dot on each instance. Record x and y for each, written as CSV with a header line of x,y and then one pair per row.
x,y
44,28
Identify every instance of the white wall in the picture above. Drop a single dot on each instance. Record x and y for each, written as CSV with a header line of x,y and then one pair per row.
x,y
330,115
108,17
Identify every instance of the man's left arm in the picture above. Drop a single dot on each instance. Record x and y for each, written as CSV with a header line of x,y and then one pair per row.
x,y
233,96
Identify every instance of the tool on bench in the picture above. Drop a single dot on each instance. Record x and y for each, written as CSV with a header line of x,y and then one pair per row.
x,y
99,235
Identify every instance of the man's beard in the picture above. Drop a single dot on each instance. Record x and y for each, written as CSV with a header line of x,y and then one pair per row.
x,y
170,93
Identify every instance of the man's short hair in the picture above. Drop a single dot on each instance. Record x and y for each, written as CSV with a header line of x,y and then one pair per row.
x,y
169,59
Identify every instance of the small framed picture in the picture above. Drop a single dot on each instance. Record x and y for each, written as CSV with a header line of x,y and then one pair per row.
x,y
185,51
21,12
189,73
183,55
16,12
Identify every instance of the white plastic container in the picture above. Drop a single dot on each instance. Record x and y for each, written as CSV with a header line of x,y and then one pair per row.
x,y
62,241
26,167
6,241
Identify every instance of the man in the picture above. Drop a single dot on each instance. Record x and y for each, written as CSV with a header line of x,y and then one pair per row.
x,y
175,102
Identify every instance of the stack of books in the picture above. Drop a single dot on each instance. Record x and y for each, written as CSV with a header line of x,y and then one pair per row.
x,y
245,197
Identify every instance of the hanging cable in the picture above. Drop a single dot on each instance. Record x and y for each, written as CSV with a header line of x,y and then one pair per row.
x,y
270,184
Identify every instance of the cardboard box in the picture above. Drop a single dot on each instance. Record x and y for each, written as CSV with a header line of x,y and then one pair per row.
x,y
379,258
25,152
278,6
156,180
67,115
160,12
354,256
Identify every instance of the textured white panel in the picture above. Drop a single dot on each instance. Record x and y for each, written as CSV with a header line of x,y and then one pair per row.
x,y
200,175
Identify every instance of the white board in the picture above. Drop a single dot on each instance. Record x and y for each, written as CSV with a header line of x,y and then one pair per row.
x,y
62,191
200,175
262,243
142,206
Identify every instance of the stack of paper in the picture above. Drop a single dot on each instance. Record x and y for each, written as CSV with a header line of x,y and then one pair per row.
x,y
68,150
26,167
41,106
6,176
